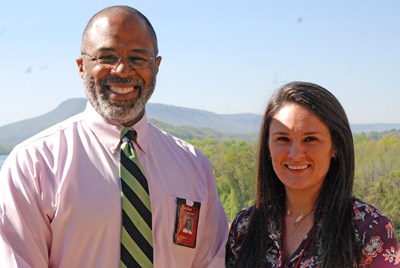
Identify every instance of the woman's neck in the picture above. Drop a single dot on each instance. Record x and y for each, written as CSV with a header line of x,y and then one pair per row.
x,y
299,203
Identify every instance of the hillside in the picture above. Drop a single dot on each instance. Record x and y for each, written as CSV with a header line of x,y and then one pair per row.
x,y
12,134
179,116
185,123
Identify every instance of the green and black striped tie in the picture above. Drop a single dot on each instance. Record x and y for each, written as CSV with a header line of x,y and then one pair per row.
x,y
136,236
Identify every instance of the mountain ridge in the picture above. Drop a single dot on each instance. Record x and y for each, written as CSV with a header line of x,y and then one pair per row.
x,y
192,122
183,122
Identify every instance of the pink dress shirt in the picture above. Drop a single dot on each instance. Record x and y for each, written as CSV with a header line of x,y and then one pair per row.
x,y
60,200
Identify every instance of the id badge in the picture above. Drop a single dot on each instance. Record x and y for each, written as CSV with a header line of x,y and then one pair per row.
x,y
187,219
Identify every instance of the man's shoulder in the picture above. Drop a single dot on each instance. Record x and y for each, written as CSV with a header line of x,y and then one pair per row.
x,y
52,131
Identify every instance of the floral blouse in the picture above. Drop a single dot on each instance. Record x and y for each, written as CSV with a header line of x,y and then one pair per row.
x,y
374,231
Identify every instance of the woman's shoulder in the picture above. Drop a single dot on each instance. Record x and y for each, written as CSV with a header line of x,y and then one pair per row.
x,y
242,219
365,213
369,219
237,233
376,234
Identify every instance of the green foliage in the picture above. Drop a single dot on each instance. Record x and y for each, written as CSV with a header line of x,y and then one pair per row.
x,y
377,174
201,133
234,168
387,195
376,156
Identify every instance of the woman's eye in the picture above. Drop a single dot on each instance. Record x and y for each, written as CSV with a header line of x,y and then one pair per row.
x,y
308,139
283,139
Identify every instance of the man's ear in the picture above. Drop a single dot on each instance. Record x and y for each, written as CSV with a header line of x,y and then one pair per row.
x,y
79,62
158,61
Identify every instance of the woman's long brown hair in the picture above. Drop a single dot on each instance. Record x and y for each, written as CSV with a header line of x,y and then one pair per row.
x,y
334,203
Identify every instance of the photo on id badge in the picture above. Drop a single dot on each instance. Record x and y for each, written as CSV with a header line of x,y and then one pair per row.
x,y
187,217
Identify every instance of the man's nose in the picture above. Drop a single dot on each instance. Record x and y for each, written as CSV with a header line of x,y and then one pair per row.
x,y
123,69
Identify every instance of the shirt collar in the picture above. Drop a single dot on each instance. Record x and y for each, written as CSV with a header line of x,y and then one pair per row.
x,y
142,130
108,132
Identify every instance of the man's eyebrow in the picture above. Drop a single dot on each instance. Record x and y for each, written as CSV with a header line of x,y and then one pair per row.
x,y
105,49
140,51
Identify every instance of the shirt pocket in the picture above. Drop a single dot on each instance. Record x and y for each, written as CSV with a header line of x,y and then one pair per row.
x,y
172,220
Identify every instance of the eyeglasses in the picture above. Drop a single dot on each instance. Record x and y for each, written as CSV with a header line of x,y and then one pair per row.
x,y
111,60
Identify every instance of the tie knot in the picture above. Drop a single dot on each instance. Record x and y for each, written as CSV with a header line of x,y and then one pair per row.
x,y
128,134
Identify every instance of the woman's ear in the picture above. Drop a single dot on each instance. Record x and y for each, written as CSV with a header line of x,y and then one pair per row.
x,y
333,153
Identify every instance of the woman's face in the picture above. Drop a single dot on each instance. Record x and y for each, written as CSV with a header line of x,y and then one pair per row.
x,y
301,148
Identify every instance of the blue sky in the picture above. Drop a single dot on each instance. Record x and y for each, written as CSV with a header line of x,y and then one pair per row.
x,y
224,56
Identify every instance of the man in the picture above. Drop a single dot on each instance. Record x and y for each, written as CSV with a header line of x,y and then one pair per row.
x,y
60,193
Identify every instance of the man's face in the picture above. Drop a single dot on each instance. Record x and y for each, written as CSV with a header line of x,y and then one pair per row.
x,y
119,67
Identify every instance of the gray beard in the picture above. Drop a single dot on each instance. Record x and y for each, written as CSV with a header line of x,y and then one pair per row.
x,y
124,111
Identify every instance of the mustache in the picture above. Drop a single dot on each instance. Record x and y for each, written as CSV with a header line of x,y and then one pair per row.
x,y
120,80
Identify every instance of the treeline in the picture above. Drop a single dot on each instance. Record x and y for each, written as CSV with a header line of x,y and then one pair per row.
x,y
377,174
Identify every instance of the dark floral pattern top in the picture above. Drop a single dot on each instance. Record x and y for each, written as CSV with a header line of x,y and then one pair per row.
x,y
374,231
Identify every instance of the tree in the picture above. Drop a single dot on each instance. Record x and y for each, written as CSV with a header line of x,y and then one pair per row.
x,y
234,168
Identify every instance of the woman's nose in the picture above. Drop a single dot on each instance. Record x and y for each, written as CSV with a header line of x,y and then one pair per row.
x,y
296,150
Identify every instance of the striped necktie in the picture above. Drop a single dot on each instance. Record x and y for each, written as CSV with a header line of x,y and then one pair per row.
x,y
136,236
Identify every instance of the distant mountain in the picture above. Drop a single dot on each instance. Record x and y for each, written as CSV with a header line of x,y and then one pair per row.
x,y
182,122
179,116
12,134
378,127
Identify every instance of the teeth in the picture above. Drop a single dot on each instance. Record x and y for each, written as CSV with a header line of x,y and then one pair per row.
x,y
297,167
122,90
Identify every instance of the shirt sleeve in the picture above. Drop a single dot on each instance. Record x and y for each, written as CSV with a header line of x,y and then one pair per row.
x,y
378,237
24,228
212,253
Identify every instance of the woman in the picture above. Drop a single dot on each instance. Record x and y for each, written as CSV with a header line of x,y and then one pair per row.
x,y
305,214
